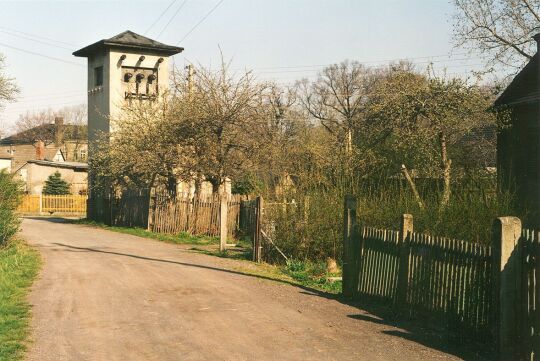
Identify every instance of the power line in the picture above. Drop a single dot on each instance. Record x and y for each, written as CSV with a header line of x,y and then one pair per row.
x,y
42,55
172,18
35,107
200,21
79,94
37,36
160,16
35,40
363,62
323,66
53,93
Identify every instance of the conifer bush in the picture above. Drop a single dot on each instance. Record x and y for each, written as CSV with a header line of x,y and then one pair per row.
x,y
55,185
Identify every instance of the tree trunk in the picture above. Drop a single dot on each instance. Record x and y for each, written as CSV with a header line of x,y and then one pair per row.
x,y
171,186
446,165
198,186
413,186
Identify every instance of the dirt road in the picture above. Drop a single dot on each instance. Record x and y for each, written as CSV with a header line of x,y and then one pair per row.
x,y
109,296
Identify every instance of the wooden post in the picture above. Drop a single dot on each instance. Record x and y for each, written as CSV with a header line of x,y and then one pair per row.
x,y
350,258
257,244
405,233
507,262
151,211
223,222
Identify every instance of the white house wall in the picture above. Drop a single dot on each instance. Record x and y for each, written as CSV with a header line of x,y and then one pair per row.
x,y
5,164
37,174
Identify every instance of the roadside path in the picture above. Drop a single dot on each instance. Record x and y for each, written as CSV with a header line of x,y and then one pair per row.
x,y
107,296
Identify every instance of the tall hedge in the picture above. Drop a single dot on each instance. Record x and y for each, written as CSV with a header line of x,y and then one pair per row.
x,y
10,195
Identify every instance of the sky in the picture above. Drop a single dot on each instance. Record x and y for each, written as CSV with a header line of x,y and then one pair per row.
x,y
279,40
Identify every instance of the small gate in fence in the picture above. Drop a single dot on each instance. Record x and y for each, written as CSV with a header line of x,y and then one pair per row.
x,y
52,204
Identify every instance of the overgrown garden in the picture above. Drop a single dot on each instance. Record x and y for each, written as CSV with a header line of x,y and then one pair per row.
x,y
401,139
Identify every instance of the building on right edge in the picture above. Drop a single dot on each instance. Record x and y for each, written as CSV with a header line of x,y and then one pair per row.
x,y
518,142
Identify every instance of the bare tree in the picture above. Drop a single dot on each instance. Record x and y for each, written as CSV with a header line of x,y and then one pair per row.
x,y
33,126
143,151
8,88
219,117
336,98
499,29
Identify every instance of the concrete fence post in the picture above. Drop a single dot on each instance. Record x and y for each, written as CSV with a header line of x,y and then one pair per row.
x,y
507,260
406,229
223,222
350,258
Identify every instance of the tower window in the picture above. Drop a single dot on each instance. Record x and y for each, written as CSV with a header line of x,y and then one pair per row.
x,y
98,76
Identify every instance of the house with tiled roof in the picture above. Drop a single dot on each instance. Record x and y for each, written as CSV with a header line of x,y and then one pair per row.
x,y
54,142
35,153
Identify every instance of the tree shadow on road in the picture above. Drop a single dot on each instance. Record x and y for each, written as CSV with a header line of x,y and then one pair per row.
x,y
187,264
405,327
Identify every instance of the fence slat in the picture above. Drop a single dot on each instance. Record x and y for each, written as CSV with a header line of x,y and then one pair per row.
x,y
446,277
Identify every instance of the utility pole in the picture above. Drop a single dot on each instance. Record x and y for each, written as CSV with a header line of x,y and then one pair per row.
x,y
190,79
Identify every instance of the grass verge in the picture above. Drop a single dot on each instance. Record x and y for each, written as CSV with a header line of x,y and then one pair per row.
x,y
302,273
19,265
180,238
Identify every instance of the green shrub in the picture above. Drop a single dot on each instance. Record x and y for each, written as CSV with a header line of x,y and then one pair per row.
x,y
310,228
10,196
55,185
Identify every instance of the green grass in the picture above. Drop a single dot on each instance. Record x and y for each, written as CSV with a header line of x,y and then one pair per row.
x,y
312,275
180,238
19,265
306,274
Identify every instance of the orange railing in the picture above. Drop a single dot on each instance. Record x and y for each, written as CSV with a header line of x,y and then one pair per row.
x,y
42,204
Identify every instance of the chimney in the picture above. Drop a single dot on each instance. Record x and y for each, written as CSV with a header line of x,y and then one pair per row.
x,y
40,150
58,131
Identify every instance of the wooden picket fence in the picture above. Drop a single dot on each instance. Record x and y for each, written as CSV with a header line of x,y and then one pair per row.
x,y
453,278
379,261
52,204
194,215
30,204
489,293
441,276
530,243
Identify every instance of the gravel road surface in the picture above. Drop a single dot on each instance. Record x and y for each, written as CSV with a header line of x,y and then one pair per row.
x,y
107,296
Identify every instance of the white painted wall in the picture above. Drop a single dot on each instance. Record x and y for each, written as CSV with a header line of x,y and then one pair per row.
x,y
106,101
5,164
34,175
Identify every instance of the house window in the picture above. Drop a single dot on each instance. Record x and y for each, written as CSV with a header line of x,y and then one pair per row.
x,y
83,154
98,76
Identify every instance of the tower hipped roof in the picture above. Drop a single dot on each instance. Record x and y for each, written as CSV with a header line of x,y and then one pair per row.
x,y
128,40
